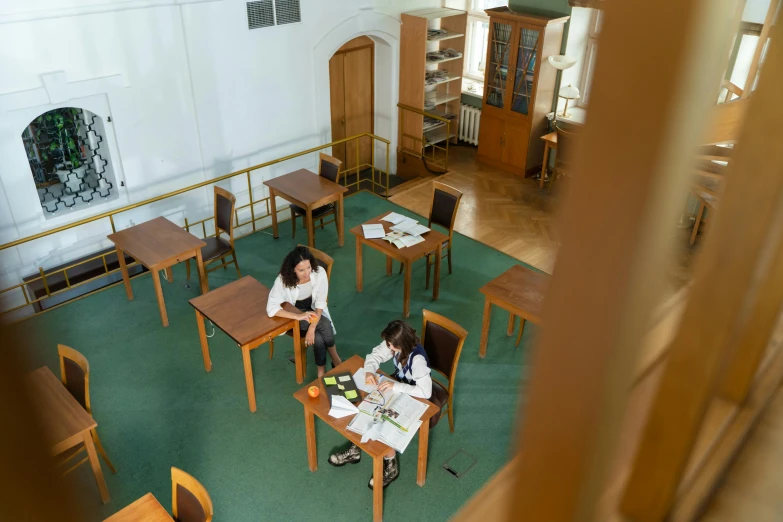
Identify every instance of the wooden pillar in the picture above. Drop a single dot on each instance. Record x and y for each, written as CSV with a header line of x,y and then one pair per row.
x,y
725,290
747,89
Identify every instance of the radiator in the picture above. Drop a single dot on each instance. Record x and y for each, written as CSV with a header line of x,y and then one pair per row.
x,y
469,119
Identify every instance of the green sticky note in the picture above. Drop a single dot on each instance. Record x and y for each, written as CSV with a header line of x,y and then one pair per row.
x,y
350,394
329,381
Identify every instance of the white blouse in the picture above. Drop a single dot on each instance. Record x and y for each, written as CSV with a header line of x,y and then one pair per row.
x,y
280,294
420,371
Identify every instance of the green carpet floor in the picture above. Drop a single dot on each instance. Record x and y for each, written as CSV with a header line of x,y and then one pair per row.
x,y
156,407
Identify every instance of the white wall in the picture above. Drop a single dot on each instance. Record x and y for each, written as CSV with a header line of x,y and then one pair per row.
x,y
192,93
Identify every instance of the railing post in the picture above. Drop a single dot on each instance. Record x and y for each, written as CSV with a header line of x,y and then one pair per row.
x,y
358,170
111,220
43,278
250,195
388,149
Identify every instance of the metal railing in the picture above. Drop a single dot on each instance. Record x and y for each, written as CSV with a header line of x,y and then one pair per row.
x,y
430,138
45,278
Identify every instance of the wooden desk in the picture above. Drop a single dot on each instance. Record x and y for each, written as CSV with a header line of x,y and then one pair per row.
x,y
66,424
519,290
550,142
158,244
239,309
320,406
432,243
146,509
310,191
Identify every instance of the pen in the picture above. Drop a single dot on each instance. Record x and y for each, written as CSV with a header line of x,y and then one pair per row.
x,y
394,423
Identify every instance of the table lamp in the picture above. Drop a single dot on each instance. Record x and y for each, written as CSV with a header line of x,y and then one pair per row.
x,y
562,62
568,93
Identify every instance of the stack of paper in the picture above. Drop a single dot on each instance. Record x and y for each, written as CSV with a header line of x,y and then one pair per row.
x,y
394,218
342,407
392,419
410,226
373,231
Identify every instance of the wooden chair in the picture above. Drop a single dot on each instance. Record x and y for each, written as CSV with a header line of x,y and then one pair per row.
x,y
75,375
443,339
566,143
708,199
218,248
443,212
329,168
190,500
325,261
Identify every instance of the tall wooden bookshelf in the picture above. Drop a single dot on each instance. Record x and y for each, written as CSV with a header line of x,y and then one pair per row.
x,y
444,95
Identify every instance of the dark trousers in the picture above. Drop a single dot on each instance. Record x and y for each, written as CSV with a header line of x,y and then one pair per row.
x,y
324,337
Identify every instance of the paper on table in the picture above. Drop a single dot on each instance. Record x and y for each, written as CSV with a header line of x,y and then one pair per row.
x,y
344,378
329,381
410,226
396,438
411,240
394,218
341,407
350,394
358,379
373,231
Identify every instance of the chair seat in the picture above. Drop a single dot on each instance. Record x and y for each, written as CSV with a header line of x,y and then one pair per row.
x,y
440,396
317,212
443,245
215,247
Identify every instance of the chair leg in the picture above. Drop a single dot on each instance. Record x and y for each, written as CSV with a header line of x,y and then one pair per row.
x,y
293,223
401,266
234,253
449,257
427,281
322,223
697,223
451,414
187,268
271,348
102,451
304,357
521,329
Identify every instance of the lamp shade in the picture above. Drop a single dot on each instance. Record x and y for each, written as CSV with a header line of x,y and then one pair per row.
x,y
561,61
569,92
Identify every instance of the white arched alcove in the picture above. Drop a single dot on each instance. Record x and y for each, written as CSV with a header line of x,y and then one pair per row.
x,y
385,32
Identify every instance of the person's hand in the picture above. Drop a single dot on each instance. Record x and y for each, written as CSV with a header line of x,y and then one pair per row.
x,y
385,385
310,337
306,316
369,378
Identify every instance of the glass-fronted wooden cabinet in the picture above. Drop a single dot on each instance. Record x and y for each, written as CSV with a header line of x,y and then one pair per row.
x,y
519,88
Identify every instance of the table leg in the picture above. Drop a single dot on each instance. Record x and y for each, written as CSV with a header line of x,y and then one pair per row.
x,y
125,276
251,389
521,329
436,283
159,294
169,275
312,450
340,223
510,329
406,291
310,228
95,464
544,164
485,327
377,489
202,275
298,353
424,442
273,209
202,335
389,263
359,267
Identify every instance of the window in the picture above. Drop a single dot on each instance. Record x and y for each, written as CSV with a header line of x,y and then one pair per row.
x,y
477,38
591,51
69,159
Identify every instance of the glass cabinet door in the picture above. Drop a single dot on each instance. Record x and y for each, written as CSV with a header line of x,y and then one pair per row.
x,y
524,72
499,52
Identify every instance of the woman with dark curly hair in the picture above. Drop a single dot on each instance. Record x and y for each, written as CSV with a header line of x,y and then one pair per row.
x,y
304,284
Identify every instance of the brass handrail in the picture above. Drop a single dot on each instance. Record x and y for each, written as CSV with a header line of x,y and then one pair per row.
x,y
422,140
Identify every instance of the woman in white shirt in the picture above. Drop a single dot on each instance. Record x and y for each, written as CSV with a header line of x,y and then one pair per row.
x,y
304,284
401,346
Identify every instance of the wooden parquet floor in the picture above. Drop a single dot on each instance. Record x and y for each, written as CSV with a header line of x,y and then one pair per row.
x,y
501,210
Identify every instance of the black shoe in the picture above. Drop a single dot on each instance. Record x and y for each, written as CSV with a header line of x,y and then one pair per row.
x,y
391,470
332,365
350,456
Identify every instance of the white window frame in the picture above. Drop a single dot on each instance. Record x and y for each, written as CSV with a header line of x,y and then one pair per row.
x,y
474,15
589,58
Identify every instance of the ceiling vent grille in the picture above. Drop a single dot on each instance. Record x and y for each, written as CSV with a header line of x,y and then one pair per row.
x,y
287,12
267,13
260,14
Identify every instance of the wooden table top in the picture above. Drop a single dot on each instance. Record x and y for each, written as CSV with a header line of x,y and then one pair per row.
x,y
239,309
305,186
320,407
551,138
145,509
61,415
155,241
520,287
432,239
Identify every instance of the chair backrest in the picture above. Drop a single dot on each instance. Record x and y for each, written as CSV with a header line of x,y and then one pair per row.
x,y
443,339
75,375
324,260
224,213
329,167
445,202
566,143
190,500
